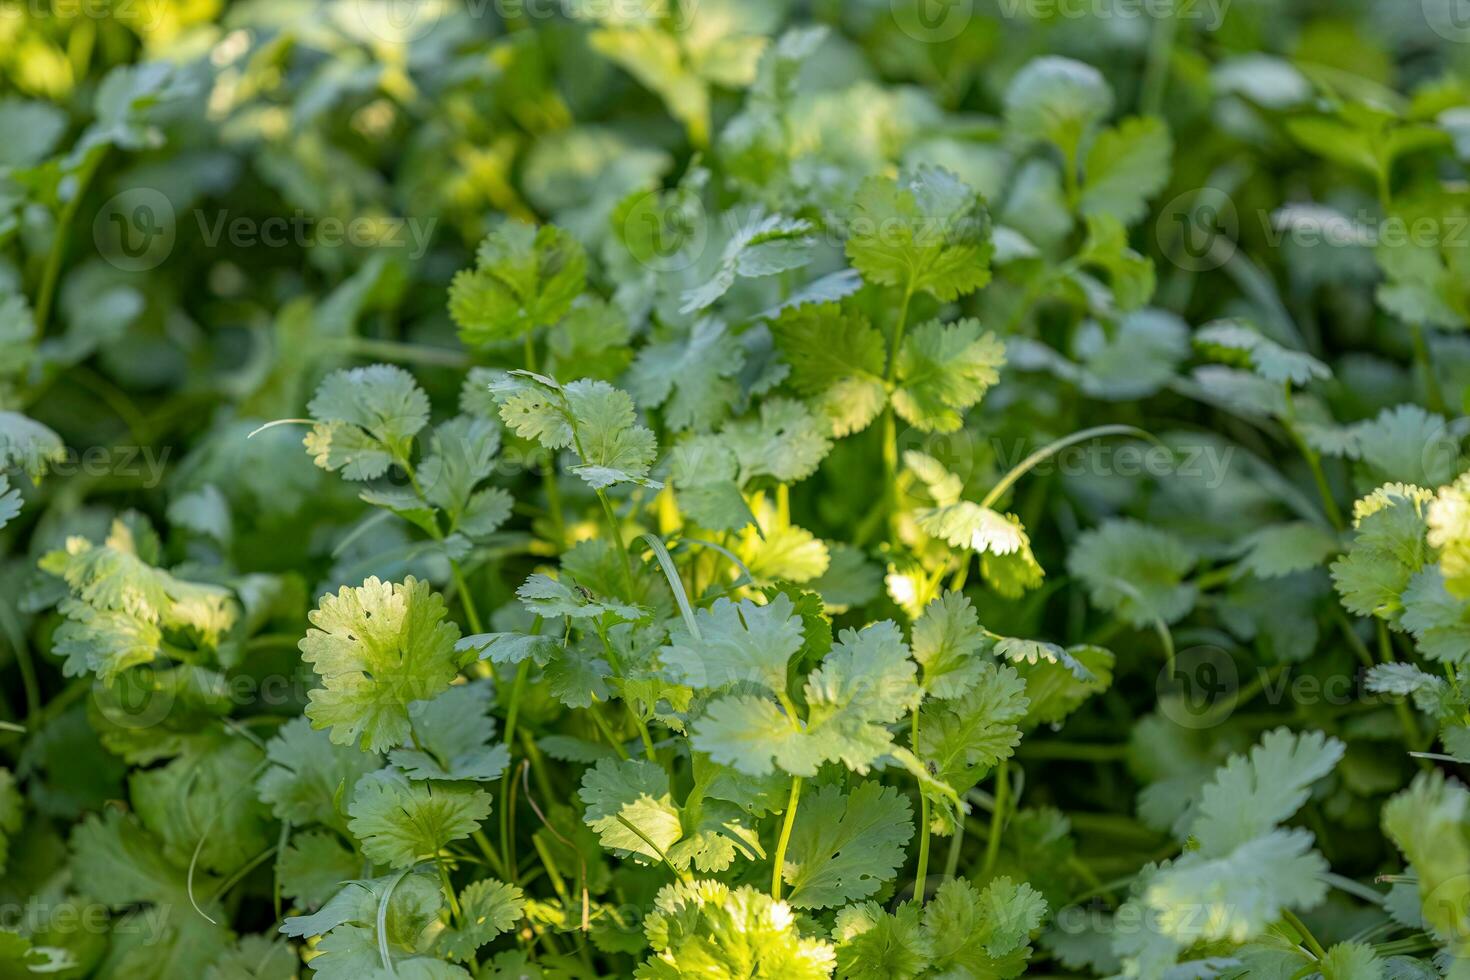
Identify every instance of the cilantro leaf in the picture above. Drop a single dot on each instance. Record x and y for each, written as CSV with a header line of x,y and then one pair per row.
x,y
401,821
925,232
845,846
377,648
526,278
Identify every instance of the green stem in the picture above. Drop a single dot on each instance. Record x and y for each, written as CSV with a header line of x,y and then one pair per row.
x,y
786,823
1290,918
607,732
402,353
923,870
449,891
617,536
1156,71
997,819
1314,463
1406,720
890,420
956,845
52,273
1432,391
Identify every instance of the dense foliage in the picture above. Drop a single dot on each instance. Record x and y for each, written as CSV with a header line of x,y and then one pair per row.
x,y
734,488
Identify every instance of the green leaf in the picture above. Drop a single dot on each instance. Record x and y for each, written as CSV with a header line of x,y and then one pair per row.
x,y
1057,100
255,958
36,128
12,813
865,684
786,442
1125,166
944,370
201,803
307,774
526,278
377,648
1439,621
695,379
962,740
1135,570
29,445
925,232
983,932
636,792
1252,794
1131,276
595,418
1284,549
737,643
876,945
844,847
837,359
400,822
1406,444
314,866
490,908
947,641
1428,821
366,419
1385,553
764,245
1238,342
703,471
705,928
454,737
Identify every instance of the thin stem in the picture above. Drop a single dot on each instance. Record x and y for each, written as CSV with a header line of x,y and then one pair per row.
x,y
449,890
617,536
1156,71
997,819
786,823
956,845
46,296
1432,391
1314,463
606,729
681,875
1289,917
890,420
923,869
465,598
403,353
